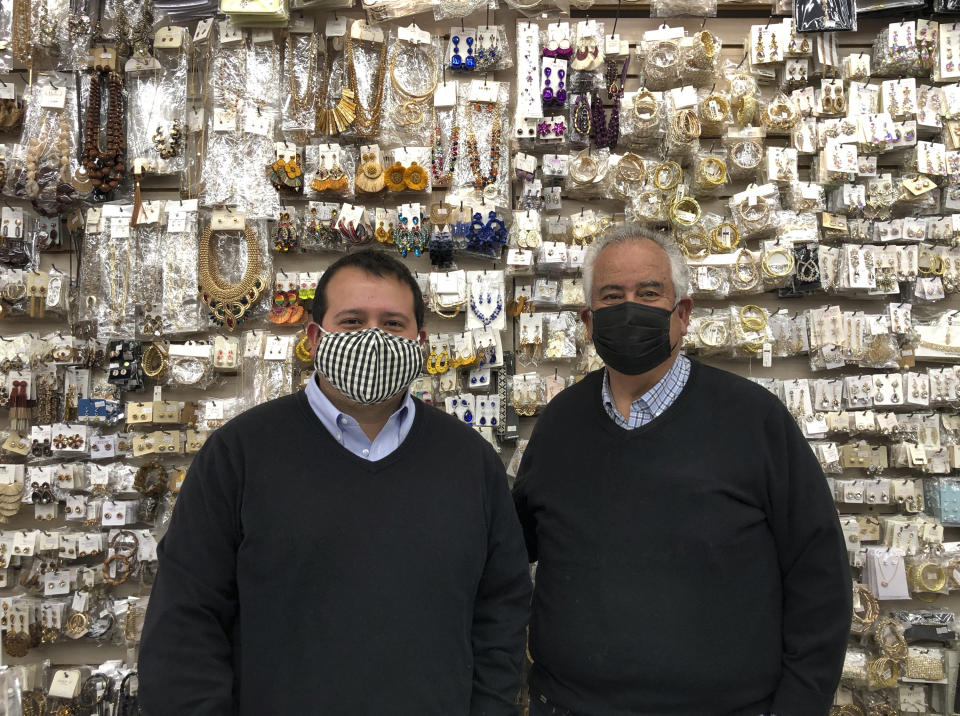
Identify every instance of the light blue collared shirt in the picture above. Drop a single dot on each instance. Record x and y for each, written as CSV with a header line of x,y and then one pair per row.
x,y
654,402
348,433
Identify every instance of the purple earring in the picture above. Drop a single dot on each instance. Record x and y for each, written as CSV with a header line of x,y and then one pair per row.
x,y
547,92
561,96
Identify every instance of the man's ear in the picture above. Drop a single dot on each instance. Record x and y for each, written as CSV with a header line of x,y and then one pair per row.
x,y
586,315
313,335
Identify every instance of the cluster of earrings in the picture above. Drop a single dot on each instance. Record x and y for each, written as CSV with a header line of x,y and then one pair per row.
x,y
551,98
286,308
462,64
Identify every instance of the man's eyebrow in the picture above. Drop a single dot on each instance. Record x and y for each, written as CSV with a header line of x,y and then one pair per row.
x,y
640,284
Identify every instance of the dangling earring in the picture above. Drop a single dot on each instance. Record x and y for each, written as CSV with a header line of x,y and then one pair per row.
x,y
337,179
320,181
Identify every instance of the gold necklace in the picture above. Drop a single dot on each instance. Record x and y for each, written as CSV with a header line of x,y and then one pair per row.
x,y
301,101
228,303
366,121
408,111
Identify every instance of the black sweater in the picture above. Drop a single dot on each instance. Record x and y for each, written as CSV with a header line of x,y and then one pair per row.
x,y
694,566
298,578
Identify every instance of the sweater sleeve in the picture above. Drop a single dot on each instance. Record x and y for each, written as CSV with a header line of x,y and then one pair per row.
x,y
502,605
815,571
186,654
521,502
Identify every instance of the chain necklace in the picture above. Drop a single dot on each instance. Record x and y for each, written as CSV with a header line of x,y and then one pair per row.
x,y
105,167
408,110
486,183
437,160
367,121
302,101
228,303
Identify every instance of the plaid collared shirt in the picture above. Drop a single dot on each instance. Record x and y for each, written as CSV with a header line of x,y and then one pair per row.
x,y
651,404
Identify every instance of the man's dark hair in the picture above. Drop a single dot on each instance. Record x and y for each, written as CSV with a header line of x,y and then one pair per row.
x,y
375,263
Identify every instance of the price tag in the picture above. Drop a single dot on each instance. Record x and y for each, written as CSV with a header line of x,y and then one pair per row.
x,y
224,120
202,33
53,97
176,222
195,119
301,24
119,228
229,33
445,95
227,220
336,27
169,38
7,90
258,122
483,91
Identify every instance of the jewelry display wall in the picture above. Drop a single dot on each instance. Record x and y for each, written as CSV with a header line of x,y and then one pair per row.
x,y
808,179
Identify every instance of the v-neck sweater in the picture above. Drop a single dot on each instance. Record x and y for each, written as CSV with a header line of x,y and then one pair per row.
x,y
298,577
691,566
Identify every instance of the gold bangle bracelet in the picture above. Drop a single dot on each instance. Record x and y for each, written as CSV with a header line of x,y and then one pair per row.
x,y
748,267
714,108
752,318
712,170
715,325
935,264
923,581
871,610
725,237
674,176
154,361
694,244
888,636
686,126
773,272
645,107
745,212
581,175
884,671
685,212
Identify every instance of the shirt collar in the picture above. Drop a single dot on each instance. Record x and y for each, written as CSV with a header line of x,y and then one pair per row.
x,y
329,414
658,398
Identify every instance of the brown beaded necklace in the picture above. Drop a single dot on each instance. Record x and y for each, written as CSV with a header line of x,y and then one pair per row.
x,y
105,167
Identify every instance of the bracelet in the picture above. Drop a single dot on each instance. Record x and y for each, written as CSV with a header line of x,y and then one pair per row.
x,y
714,108
755,321
757,215
668,51
674,175
730,235
154,361
871,610
645,107
651,199
884,671
739,267
125,549
686,126
630,171
685,211
151,479
581,175
712,171
779,114
694,245
890,628
716,325
785,270
746,155
933,582
935,264
187,370
124,574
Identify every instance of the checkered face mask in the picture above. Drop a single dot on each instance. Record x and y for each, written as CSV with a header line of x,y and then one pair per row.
x,y
368,366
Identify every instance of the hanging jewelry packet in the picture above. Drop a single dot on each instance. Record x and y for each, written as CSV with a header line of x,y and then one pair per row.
x,y
446,9
245,81
365,68
825,15
148,244
181,309
73,34
43,167
301,69
482,172
413,74
108,271
330,170
157,107
233,268
47,21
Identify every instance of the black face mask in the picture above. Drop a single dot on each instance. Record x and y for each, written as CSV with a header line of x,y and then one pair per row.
x,y
632,338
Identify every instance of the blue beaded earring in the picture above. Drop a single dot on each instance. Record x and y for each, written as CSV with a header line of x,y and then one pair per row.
x,y
455,60
493,409
483,419
470,61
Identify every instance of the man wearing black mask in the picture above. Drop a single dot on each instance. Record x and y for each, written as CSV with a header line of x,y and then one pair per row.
x,y
690,559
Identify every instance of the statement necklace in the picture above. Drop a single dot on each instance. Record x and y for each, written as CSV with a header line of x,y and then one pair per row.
x,y
367,121
105,167
486,183
228,303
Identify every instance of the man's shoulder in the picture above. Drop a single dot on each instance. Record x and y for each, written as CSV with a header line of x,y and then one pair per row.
x,y
720,387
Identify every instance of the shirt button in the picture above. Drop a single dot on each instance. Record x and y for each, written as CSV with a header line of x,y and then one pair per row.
x,y
344,421
365,452
340,437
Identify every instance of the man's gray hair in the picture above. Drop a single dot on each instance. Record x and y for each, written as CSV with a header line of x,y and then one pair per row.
x,y
635,232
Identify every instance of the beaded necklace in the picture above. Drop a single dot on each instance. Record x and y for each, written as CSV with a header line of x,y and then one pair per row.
x,y
437,160
105,167
486,183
